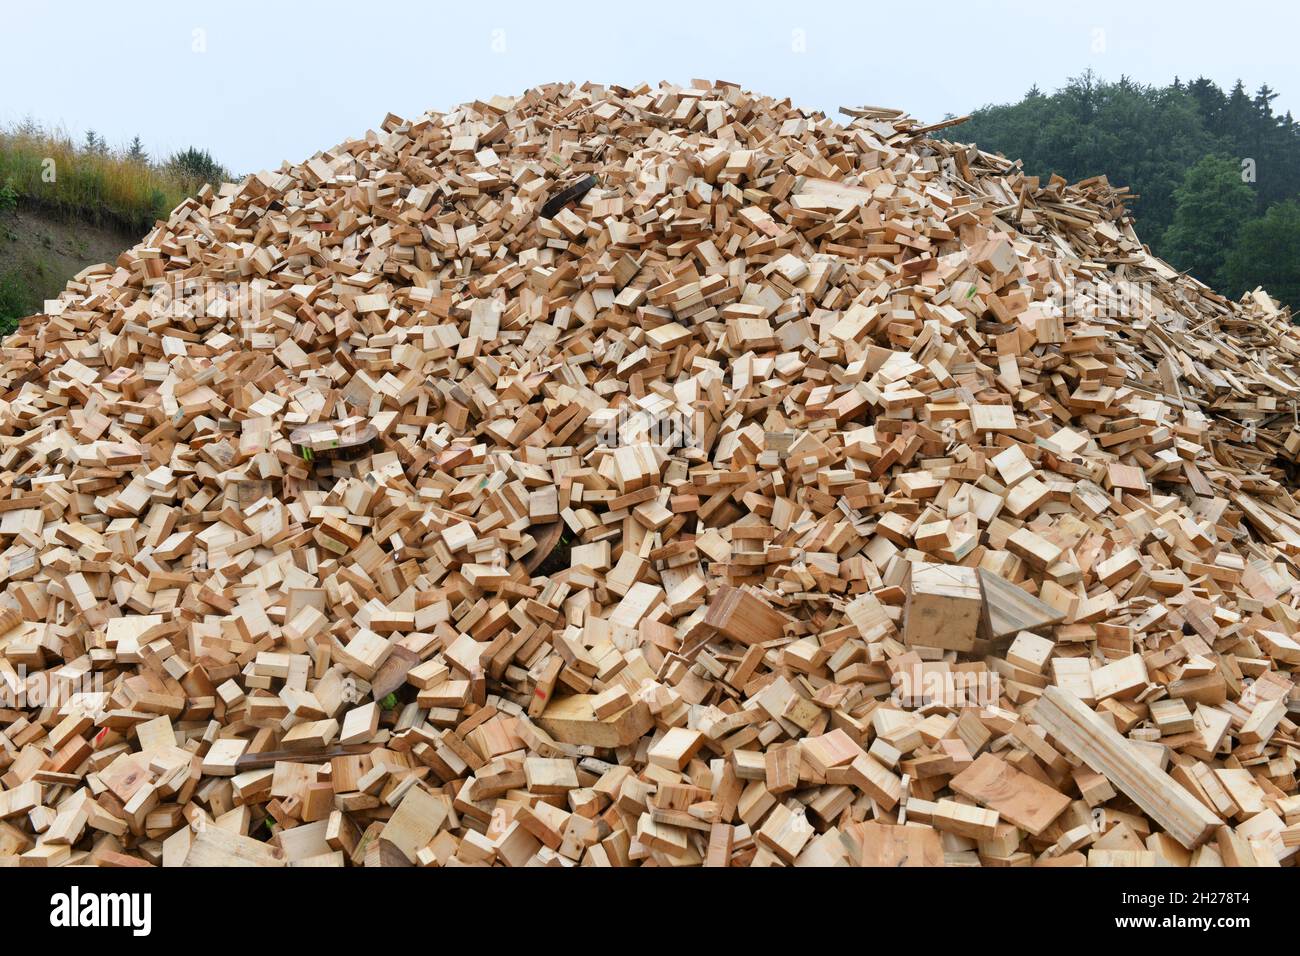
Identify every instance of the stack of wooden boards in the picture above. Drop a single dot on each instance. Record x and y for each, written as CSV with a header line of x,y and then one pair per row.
x,y
886,539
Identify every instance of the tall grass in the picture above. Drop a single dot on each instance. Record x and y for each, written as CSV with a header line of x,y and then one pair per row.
x,y
98,185
87,183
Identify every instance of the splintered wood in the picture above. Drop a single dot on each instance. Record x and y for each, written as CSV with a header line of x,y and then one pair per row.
x,y
659,476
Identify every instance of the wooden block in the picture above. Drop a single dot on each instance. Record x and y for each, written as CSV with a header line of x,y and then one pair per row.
x,y
785,832
572,720
311,735
744,617
1122,679
550,776
721,841
876,781
826,751
1009,609
610,701
781,768
993,418
667,839
1263,721
1126,478
428,674
944,607
913,845
419,816
1280,647
1172,716
1036,550
675,748
964,820
1030,651
360,724
213,847
1123,564
223,756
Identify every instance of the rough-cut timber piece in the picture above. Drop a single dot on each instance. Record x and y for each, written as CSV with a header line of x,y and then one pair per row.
x,y
1030,651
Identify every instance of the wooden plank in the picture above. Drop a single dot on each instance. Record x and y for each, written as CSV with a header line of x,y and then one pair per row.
x,y
1017,797
213,846
1087,737
1009,609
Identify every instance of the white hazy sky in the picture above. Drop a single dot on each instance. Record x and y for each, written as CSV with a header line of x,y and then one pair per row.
x,y
260,82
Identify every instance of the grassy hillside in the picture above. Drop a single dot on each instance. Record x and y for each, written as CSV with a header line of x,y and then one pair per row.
x,y
64,206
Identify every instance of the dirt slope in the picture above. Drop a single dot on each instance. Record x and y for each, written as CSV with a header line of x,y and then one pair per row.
x,y
39,253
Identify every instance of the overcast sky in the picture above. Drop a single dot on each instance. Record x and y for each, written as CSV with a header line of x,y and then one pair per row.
x,y
260,82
